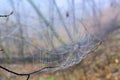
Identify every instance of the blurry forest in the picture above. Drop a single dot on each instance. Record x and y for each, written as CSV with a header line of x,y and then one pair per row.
x,y
64,34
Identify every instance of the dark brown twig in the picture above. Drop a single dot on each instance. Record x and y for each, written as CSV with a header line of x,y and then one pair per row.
x,y
26,74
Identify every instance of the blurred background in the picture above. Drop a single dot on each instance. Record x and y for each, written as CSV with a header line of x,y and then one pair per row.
x,y
63,33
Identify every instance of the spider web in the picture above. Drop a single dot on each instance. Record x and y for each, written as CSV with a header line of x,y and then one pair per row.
x,y
61,39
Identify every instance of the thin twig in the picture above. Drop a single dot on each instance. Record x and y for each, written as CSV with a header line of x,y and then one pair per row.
x,y
7,14
26,74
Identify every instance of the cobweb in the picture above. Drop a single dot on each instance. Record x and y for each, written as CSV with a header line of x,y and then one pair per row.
x,y
52,34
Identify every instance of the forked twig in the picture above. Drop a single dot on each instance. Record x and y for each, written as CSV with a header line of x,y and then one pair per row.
x,y
26,74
